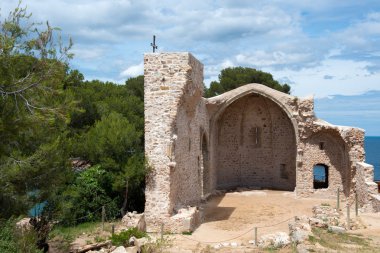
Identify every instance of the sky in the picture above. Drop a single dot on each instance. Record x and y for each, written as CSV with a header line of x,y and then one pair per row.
x,y
326,48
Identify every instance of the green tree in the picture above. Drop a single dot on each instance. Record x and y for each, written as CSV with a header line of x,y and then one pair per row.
x,y
231,78
115,144
135,86
50,115
33,67
30,58
82,200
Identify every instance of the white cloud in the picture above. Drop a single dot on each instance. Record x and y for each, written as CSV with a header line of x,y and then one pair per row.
x,y
133,70
87,53
227,64
263,58
349,78
295,40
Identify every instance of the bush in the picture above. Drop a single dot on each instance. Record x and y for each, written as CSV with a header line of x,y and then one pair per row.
x,y
82,201
16,240
122,239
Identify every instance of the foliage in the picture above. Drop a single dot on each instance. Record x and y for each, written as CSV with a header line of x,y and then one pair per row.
x,y
50,115
111,142
33,112
122,239
83,200
32,60
16,240
135,86
231,78
109,131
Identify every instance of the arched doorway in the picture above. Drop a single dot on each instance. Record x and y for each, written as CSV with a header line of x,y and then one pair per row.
x,y
255,145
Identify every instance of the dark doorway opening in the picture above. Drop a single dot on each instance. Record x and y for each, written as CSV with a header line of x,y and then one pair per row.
x,y
320,176
205,166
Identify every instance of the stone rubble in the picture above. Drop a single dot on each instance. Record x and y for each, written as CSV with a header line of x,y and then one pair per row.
x,y
24,224
337,229
277,240
134,220
299,229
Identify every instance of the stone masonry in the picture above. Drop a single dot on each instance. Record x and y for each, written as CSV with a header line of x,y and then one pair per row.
x,y
252,136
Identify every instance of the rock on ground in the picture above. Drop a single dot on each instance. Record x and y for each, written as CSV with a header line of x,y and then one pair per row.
x,y
134,220
299,229
336,229
278,239
318,223
24,224
120,249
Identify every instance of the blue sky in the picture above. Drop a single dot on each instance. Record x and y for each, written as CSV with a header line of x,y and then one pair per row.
x,y
327,48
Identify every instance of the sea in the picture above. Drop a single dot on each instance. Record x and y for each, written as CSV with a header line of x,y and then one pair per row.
x,y
372,150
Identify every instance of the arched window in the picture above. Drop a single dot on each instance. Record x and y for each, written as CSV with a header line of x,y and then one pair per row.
x,y
321,176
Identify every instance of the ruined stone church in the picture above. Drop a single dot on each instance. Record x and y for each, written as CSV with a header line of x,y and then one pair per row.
x,y
253,137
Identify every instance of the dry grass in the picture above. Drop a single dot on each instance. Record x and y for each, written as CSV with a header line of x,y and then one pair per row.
x,y
341,242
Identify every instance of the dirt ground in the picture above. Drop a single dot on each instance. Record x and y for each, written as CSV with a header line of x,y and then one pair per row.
x,y
232,217
372,231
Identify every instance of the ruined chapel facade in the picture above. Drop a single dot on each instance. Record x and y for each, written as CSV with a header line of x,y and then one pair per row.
x,y
253,137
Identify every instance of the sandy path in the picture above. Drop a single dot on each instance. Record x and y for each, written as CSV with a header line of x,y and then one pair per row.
x,y
231,215
372,231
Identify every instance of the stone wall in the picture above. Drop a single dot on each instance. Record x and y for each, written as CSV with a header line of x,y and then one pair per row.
x,y
326,148
252,136
174,116
366,188
186,180
256,146
344,147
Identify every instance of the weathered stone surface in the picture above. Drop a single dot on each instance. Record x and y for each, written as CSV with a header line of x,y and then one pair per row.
x,y
314,222
132,249
120,249
299,229
302,248
366,188
134,220
336,229
132,241
299,236
278,240
24,224
252,136
141,241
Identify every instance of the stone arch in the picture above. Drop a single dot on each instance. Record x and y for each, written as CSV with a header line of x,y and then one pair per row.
x,y
263,91
253,126
328,147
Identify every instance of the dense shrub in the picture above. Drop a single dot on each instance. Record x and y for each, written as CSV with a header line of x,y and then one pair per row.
x,y
83,200
16,240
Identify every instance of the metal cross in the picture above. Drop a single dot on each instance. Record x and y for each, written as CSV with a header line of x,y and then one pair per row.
x,y
153,45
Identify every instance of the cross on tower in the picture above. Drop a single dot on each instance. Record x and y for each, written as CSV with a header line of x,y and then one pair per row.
x,y
153,45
